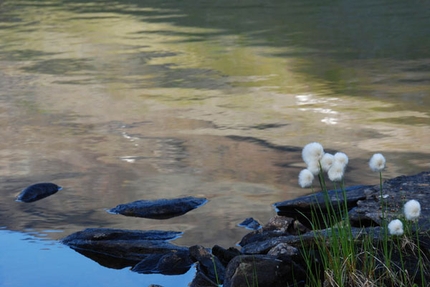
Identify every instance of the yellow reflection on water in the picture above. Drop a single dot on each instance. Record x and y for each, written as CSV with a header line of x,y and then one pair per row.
x,y
117,108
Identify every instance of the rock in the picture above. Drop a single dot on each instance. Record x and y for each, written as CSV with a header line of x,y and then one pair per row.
x,y
201,280
250,223
38,191
277,226
396,192
263,270
172,263
283,249
264,245
159,208
280,223
225,255
119,248
314,206
208,264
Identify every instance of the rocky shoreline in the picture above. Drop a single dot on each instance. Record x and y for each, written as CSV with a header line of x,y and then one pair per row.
x,y
271,255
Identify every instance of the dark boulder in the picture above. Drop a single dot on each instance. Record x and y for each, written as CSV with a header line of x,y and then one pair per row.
x,y
159,208
117,248
38,191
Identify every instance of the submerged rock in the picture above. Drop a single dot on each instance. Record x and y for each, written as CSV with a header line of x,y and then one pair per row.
x,y
38,191
159,208
117,248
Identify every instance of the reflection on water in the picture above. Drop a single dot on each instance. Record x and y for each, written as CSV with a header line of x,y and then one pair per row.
x,y
125,101
27,259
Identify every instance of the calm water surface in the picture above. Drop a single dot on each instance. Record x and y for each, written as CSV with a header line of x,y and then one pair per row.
x,y
118,101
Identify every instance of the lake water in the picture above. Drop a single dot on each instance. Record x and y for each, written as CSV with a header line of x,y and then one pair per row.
x,y
118,101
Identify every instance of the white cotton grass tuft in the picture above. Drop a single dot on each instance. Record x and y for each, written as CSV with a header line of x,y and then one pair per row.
x,y
336,171
412,209
312,152
377,162
327,161
395,227
341,158
314,167
306,178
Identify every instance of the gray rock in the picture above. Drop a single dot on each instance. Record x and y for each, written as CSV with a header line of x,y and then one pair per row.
x,y
159,208
283,249
38,191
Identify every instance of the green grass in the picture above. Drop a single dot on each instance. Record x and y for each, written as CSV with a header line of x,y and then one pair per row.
x,y
339,259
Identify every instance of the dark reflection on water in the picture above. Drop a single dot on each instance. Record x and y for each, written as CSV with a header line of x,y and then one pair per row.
x,y
119,101
26,261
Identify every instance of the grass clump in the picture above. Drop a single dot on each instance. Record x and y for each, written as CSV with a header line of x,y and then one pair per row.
x,y
341,256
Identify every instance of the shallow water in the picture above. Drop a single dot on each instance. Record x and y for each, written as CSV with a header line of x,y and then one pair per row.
x,y
124,101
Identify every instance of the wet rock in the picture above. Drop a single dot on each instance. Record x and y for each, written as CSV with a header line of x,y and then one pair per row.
x,y
117,248
315,205
172,263
250,223
263,270
208,264
159,208
38,191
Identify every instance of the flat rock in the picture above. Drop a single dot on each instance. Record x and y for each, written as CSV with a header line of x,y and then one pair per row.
x,y
264,244
371,210
314,205
38,191
117,248
159,208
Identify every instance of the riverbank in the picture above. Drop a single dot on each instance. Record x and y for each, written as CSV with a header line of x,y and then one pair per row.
x,y
286,250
